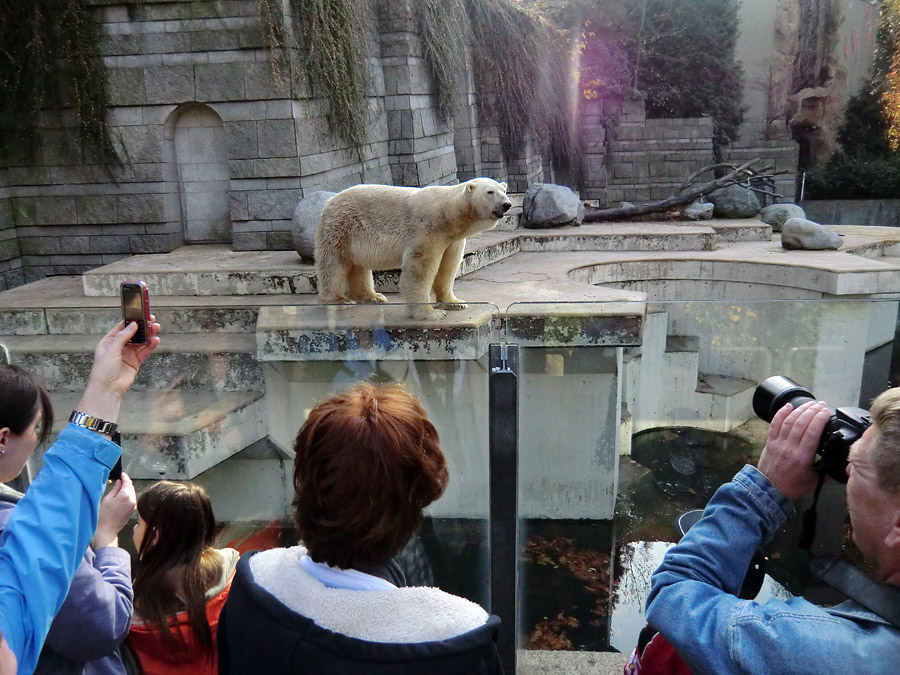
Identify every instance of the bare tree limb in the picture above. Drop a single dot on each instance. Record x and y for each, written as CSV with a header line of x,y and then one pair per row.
x,y
685,193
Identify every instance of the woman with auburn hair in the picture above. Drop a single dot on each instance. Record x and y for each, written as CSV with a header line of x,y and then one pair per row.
x,y
367,463
181,583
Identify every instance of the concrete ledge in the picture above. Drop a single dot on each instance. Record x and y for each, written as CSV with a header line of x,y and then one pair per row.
x,y
348,332
180,434
211,362
570,663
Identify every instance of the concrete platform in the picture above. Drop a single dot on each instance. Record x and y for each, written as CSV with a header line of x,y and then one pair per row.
x,y
228,315
193,361
570,663
179,434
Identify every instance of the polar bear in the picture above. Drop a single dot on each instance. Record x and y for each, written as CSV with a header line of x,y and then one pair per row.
x,y
420,230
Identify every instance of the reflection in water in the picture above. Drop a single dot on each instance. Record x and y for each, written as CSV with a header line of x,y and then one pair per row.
x,y
639,559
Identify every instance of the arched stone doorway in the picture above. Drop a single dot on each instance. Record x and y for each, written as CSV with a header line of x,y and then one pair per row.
x,y
203,177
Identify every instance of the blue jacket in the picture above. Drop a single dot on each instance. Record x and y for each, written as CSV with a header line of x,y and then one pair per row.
x,y
46,537
693,600
94,618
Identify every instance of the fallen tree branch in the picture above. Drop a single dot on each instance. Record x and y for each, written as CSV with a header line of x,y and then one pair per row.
x,y
685,193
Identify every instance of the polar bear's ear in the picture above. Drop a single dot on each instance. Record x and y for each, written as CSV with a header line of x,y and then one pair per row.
x,y
504,186
470,185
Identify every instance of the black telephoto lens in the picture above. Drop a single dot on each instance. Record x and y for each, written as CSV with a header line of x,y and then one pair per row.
x,y
773,393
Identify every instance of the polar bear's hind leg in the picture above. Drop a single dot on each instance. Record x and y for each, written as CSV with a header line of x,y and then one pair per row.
x,y
330,277
362,285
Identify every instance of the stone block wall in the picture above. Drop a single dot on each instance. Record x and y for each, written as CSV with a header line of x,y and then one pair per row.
x,y
650,158
646,160
781,155
218,147
10,257
420,142
594,133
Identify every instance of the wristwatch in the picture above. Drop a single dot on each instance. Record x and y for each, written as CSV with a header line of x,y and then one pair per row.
x,y
93,423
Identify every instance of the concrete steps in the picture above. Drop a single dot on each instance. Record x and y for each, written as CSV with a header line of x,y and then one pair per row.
x,y
179,434
193,361
216,270
667,387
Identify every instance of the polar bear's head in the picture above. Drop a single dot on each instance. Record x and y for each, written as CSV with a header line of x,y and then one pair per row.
x,y
487,197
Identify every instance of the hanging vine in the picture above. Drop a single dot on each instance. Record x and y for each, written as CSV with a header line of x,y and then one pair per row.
x,y
531,92
275,36
446,33
50,63
334,36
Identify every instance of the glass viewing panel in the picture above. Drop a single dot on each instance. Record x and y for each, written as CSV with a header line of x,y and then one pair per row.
x,y
632,413
221,408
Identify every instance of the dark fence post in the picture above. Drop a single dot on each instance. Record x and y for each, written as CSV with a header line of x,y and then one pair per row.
x,y
503,411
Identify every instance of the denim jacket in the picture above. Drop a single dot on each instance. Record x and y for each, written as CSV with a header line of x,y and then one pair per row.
x,y
693,600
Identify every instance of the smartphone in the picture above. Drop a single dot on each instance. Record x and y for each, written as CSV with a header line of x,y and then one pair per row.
x,y
116,472
136,307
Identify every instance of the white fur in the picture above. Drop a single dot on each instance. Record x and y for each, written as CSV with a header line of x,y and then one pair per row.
x,y
403,615
422,231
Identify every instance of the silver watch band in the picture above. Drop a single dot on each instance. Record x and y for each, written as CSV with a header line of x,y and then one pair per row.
x,y
93,423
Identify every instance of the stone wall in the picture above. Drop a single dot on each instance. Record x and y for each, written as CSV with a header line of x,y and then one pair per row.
x,y
646,160
878,212
641,160
10,257
217,147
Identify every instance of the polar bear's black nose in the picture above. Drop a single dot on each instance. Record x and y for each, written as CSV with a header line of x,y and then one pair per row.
x,y
507,206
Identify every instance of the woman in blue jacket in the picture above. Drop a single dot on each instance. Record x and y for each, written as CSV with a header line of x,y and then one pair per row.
x,y
47,534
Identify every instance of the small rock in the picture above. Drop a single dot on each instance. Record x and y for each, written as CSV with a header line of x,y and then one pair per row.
x,y
306,222
698,211
548,205
777,214
799,234
734,201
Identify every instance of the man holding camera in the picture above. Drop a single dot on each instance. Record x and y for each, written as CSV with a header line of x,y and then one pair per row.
x,y
693,600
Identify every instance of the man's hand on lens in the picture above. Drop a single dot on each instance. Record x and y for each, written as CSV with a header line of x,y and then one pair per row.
x,y
787,459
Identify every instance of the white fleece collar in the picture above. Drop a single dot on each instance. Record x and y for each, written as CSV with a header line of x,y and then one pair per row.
x,y
400,615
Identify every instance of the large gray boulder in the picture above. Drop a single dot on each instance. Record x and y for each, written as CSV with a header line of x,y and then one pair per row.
x,y
799,234
698,210
777,215
548,205
306,222
734,201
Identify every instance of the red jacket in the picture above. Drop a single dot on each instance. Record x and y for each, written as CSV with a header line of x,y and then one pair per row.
x,y
157,659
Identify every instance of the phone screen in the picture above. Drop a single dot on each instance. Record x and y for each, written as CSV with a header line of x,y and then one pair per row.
x,y
134,309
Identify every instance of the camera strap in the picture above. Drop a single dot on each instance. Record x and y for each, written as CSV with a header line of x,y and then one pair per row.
x,y
880,598
808,522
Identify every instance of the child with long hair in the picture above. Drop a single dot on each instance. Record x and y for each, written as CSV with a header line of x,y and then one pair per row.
x,y
181,583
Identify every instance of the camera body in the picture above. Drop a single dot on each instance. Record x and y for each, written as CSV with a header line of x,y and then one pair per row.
x,y
845,426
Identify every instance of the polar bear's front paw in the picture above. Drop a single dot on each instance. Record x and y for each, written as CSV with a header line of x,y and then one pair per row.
x,y
450,301
426,312
335,300
372,298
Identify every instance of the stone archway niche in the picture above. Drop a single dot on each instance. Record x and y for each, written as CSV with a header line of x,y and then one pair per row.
x,y
203,175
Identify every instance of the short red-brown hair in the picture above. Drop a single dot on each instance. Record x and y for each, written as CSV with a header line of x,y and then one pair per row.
x,y
367,462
